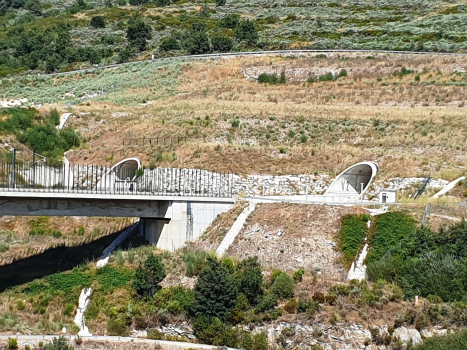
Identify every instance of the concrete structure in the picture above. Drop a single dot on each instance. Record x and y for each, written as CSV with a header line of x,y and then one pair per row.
x,y
121,177
448,187
166,221
388,195
353,181
235,229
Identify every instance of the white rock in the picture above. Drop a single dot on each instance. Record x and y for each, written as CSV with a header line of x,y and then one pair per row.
x,y
407,334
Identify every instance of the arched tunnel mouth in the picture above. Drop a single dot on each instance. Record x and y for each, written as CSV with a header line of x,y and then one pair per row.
x,y
126,170
354,180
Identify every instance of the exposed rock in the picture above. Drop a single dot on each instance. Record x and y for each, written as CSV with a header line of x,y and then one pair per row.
x,y
407,334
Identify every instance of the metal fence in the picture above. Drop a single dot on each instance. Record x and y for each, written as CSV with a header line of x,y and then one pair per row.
x,y
42,177
153,141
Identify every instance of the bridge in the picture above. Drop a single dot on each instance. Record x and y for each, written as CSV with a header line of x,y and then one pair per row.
x,y
174,205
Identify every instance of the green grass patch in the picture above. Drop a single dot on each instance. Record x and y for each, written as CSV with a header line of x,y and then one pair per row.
x,y
351,236
455,341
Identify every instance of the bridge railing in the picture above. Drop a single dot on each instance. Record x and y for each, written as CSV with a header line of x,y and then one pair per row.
x,y
66,178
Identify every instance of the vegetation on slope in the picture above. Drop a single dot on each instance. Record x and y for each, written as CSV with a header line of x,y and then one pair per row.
x,y
39,132
455,341
351,236
54,36
421,261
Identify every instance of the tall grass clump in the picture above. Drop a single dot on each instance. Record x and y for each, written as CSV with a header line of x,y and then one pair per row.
x,y
352,235
272,78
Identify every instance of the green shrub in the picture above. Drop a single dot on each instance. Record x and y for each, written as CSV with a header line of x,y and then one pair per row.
x,y
246,31
155,334
12,344
174,299
169,44
250,279
221,43
215,292
60,343
68,310
209,330
267,303
339,289
272,78
283,286
117,326
351,237
20,305
388,231
275,274
260,341
149,275
298,275
453,341
97,22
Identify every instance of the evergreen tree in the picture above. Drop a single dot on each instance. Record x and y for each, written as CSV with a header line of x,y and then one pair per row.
x,y
97,22
250,279
215,292
197,43
220,2
246,31
169,44
138,33
149,275
221,44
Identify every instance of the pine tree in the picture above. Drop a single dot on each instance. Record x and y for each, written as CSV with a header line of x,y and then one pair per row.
x,y
149,275
215,292
250,279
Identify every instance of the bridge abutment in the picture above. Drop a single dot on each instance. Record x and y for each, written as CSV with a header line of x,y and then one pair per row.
x,y
183,221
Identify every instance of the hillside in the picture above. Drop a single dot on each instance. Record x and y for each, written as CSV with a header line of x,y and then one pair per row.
x,y
64,35
405,112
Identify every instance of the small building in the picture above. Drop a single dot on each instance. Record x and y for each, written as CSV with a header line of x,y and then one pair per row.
x,y
388,195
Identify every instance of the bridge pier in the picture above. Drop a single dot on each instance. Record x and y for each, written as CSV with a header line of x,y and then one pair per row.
x,y
183,221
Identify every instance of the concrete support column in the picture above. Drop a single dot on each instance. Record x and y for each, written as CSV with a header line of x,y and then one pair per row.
x,y
167,233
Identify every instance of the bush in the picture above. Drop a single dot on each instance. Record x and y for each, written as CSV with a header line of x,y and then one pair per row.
x,y
283,286
267,303
209,330
117,326
351,237
319,297
250,279
331,299
138,33
174,299
97,22
197,43
388,231
246,31
260,341
68,310
292,306
60,343
12,344
149,275
20,305
298,275
169,44
453,341
230,21
271,78
222,43
215,292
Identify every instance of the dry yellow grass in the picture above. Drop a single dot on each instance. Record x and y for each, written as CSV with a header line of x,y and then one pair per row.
x,y
410,128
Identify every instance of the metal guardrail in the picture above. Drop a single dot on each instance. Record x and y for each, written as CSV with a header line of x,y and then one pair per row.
x,y
65,178
257,53
149,141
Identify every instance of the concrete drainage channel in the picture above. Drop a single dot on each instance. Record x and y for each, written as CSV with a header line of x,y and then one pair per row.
x,y
84,300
